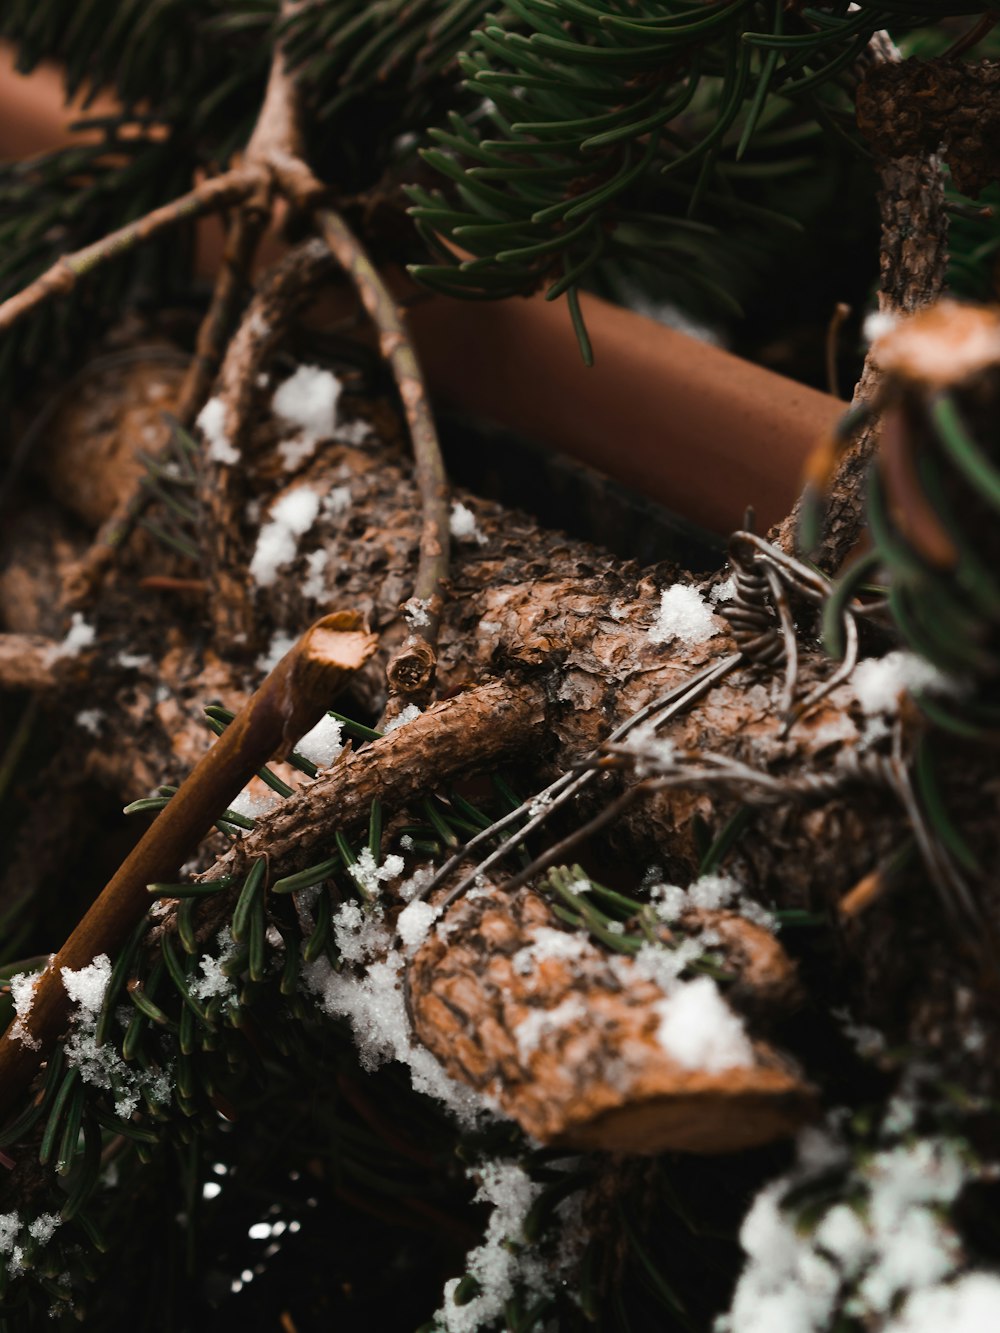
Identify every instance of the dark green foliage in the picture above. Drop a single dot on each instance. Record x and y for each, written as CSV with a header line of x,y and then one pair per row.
x,y
217,1100
688,152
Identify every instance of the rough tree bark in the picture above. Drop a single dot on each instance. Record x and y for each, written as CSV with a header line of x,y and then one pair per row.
x,y
544,647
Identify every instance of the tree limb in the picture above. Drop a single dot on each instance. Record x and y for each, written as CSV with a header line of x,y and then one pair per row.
x,y
411,671
210,196
291,700
913,261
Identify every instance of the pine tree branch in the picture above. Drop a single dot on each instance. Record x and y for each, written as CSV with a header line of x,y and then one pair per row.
x,y
217,325
208,197
223,473
476,730
568,1046
291,700
913,264
411,671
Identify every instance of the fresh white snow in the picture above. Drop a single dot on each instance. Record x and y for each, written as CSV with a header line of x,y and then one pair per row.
x,y
307,400
879,681
291,517
404,715
699,1030
323,743
414,923
212,424
80,635
684,615
463,524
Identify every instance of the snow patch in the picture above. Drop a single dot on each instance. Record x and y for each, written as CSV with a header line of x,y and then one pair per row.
x,y
369,875
80,635
213,981
892,1242
539,1022
338,501
879,681
683,615
370,996
414,923
22,992
504,1263
699,1030
100,1064
463,525
969,1305
281,643
314,583
15,1234
308,401
878,324
252,804
725,591
86,986
323,743
291,517
405,715
211,421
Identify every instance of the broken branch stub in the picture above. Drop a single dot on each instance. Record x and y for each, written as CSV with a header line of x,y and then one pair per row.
x,y
292,698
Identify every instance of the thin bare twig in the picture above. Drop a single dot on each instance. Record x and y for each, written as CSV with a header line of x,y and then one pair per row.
x,y
217,325
291,700
209,197
291,282
411,671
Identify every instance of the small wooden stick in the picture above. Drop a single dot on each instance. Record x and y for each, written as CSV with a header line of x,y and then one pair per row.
x,y
208,197
290,701
865,893
411,671
217,325
220,483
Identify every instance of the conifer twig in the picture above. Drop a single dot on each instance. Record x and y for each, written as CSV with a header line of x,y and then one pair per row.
x,y
285,287
217,325
31,662
411,671
291,700
208,197
913,264
472,731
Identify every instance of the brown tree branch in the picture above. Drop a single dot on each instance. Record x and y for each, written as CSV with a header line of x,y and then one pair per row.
x,y
217,325
603,1081
208,197
411,671
913,261
475,730
221,482
291,700
274,147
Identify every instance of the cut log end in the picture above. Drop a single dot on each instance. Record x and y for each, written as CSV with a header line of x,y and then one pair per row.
x,y
329,653
569,1039
720,1114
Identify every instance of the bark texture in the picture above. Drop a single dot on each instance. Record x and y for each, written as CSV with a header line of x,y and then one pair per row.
x,y
567,1044
913,261
544,647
